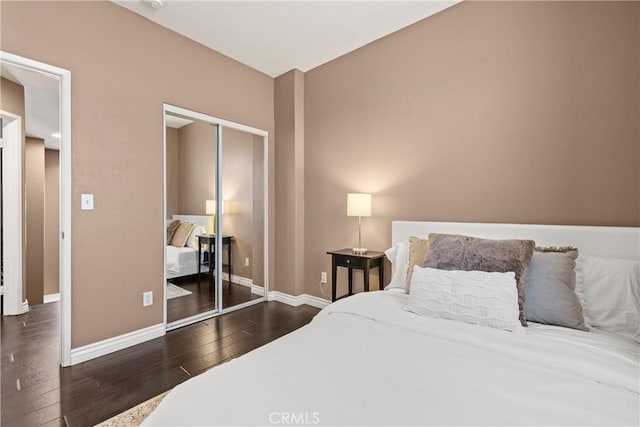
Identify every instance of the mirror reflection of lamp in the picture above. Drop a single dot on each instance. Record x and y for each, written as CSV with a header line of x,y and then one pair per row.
x,y
210,209
359,204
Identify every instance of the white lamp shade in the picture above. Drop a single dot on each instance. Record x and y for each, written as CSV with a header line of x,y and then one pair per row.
x,y
358,204
211,207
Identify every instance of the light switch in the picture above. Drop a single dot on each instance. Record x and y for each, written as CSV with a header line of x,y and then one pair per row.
x,y
86,202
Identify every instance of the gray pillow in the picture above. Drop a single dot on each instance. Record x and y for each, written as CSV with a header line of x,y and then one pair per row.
x,y
455,252
551,297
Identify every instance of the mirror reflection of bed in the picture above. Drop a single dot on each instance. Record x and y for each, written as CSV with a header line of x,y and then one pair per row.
x,y
190,185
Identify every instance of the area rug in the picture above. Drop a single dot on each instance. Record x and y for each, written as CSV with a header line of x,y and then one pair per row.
x,y
136,415
174,291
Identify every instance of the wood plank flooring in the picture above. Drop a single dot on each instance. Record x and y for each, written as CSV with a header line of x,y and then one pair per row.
x,y
202,298
36,391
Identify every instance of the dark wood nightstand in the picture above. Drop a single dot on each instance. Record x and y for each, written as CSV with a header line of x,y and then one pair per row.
x,y
210,241
346,258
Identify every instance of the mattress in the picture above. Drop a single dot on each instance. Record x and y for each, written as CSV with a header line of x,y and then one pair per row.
x,y
364,360
180,258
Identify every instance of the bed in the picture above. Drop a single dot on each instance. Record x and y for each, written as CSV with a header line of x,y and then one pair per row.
x,y
183,261
365,360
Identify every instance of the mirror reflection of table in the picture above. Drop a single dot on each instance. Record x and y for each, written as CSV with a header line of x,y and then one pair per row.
x,y
210,241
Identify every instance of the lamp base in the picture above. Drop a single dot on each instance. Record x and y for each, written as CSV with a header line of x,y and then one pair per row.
x,y
359,251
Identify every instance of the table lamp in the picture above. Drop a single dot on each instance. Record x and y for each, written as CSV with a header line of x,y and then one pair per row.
x,y
210,209
359,204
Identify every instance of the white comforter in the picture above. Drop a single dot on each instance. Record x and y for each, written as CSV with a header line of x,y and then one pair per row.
x,y
365,361
179,258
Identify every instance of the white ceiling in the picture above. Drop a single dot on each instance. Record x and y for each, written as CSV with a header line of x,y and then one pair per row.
x,y
175,122
41,102
277,36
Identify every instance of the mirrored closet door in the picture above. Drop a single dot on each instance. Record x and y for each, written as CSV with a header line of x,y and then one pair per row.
x,y
215,216
243,189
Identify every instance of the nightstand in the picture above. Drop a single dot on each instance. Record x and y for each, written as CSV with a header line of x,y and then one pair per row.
x,y
365,262
210,241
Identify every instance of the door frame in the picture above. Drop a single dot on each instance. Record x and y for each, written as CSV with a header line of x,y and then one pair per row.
x,y
12,218
64,77
219,123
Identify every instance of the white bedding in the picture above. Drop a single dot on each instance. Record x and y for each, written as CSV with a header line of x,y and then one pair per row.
x,y
365,361
180,258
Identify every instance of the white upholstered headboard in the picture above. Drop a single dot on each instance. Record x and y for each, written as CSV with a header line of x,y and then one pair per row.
x,y
203,220
608,242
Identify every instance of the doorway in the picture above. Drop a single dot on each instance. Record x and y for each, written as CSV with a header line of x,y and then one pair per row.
x,y
19,68
215,216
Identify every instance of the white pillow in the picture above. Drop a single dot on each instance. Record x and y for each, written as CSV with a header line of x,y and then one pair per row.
x,y
399,257
609,290
192,241
478,297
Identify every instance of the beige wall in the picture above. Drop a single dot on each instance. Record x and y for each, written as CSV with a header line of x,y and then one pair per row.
x,y
289,119
12,101
238,195
121,77
172,172
34,197
196,167
258,204
51,268
502,112
522,112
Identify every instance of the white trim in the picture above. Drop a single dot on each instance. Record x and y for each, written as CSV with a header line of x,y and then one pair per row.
x,y
298,300
243,281
612,242
51,298
110,345
190,114
238,280
219,177
12,162
64,76
265,221
164,219
257,290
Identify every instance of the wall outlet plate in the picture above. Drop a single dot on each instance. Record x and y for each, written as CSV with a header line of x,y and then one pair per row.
x,y
86,202
147,298
246,262
323,277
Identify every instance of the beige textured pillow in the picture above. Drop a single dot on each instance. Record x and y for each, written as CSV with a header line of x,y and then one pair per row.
x,y
192,241
418,249
171,229
182,234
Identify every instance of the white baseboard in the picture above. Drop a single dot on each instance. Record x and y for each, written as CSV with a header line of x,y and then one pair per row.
x,y
110,345
243,281
51,298
238,280
298,300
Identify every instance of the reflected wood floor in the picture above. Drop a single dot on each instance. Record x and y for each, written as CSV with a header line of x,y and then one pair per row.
x,y
36,391
202,298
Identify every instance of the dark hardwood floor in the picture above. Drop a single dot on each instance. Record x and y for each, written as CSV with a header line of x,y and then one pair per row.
x,y
36,391
202,298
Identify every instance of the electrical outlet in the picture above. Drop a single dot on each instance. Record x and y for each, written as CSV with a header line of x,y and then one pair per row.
x,y
246,262
147,298
323,277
